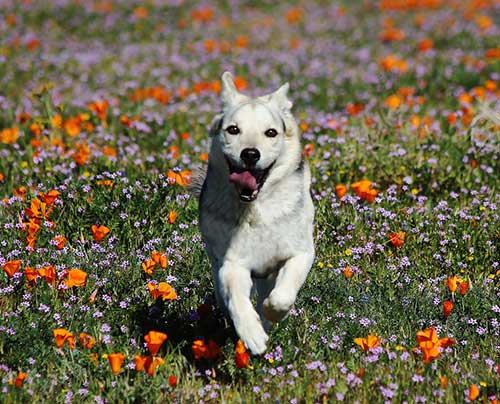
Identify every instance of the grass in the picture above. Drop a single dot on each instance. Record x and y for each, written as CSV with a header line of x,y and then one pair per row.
x,y
429,151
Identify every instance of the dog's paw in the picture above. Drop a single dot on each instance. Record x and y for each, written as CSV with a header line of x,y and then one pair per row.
x,y
253,336
277,305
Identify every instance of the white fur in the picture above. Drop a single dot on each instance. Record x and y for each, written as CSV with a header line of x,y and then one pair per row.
x,y
266,244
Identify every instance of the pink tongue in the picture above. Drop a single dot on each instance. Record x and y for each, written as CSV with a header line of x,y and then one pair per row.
x,y
244,180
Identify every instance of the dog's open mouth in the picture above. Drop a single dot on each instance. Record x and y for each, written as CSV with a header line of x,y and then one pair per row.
x,y
248,182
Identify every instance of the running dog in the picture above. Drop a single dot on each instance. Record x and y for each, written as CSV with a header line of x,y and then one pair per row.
x,y
256,211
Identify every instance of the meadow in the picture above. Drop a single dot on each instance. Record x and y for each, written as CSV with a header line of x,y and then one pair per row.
x,y
105,289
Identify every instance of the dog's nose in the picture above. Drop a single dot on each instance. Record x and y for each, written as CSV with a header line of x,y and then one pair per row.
x,y
250,156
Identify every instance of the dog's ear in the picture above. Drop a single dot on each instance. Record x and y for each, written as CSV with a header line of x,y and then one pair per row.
x,y
216,125
281,99
230,94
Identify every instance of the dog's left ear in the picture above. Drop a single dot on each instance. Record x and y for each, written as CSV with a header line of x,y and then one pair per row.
x,y
281,99
216,125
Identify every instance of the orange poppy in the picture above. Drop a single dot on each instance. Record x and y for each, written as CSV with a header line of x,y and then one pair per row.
x,y
199,349
172,215
397,239
447,308
183,178
154,340
31,274
241,356
429,343
60,242
12,267
163,290
452,283
50,197
308,150
340,191
160,258
115,361
20,379
172,381
148,266
61,336
473,392
9,135
393,101
48,273
367,343
348,272
140,362
425,44
99,232
38,210
152,363
99,108
86,340
364,190
76,277
443,381
464,286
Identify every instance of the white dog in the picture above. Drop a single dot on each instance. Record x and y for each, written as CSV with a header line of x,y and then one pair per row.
x,y
256,212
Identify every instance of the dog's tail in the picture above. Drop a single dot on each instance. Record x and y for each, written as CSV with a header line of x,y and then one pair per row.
x,y
197,179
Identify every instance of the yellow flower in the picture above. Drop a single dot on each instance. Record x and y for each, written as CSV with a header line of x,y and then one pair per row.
x,y
348,252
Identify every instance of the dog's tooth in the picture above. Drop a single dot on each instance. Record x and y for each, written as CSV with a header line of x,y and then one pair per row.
x,y
254,193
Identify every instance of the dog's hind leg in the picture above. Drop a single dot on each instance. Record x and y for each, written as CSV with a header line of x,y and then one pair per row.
x,y
236,286
290,278
264,286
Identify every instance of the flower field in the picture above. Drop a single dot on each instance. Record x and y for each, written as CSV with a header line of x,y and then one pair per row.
x,y
105,288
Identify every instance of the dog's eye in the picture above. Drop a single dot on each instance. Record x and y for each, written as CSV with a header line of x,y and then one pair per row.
x,y
271,132
233,130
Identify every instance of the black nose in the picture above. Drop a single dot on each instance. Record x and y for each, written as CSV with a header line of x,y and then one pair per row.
x,y
250,156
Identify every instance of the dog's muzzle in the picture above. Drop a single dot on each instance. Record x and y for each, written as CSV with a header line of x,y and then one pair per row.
x,y
248,181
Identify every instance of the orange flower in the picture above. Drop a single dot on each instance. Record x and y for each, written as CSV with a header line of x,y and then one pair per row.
x,y
393,101
86,340
172,381
172,215
140,362
149,363
397,239
473,392
99,108
241,356
154,340
76,277
240,83
367,343
199,349
160,258
163,290
30,274
392,34
9,135
392,63
425,44
294,15
308,150
464,286
148,266
348,272
364,190
443,380
429,343
99,232
50,197
12,267
20,379
48,273
452,283
447,308
61,336
116,360
38,210
72,126
340,191
60,242
81,154
152,363
183,178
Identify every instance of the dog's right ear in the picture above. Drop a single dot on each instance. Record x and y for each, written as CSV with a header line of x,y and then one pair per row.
x,y
230,94
216,125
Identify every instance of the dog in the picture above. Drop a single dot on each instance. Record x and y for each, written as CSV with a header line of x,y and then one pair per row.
x,y
255,209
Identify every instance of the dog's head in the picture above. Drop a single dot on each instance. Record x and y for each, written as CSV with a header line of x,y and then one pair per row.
x,y
258,137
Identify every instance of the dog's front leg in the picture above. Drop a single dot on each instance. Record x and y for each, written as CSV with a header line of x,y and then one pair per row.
x,y
236,286
290,279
